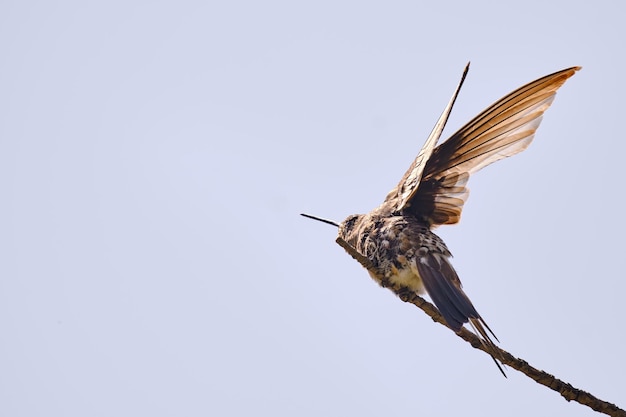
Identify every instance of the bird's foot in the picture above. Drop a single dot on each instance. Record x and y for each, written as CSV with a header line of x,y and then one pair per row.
x,y
405,294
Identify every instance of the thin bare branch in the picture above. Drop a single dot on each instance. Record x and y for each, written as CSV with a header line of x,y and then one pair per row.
x,y
569,392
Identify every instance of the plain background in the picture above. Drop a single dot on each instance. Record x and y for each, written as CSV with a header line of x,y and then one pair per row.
x,y
154,158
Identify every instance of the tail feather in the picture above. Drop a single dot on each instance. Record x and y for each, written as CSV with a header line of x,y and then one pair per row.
x,y
444,287
477,324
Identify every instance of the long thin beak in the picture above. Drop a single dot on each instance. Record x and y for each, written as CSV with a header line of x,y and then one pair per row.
x,y
319,219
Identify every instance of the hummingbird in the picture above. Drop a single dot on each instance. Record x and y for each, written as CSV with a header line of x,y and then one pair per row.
x,y
397,237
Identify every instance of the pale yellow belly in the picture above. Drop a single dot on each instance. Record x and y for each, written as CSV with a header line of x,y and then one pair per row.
x,y
406,277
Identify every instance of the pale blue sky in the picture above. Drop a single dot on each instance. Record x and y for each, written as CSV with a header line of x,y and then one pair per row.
x,y
154,157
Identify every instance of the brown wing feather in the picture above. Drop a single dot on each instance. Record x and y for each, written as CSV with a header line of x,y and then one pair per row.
x,y
444,287
505,128
411,179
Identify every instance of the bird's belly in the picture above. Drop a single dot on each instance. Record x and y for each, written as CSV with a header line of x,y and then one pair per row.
x,y
405,277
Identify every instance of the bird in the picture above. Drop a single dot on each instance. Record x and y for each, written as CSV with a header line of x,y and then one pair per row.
x,y
397,237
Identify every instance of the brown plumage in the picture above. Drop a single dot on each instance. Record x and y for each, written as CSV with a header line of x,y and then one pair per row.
x,y
396,236
433,188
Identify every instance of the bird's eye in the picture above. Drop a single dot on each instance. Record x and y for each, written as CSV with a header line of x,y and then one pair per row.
x,y
349,222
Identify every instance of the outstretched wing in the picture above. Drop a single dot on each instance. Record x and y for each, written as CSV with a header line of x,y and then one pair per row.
x,y
505,128
411,179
